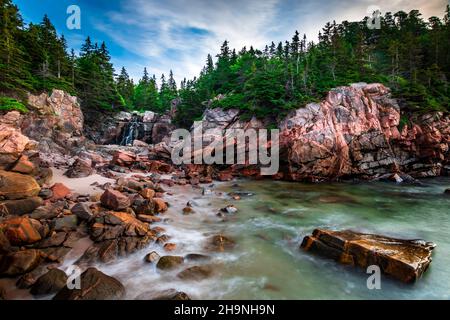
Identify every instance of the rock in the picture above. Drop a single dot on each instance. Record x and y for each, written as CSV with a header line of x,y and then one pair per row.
x,y
146,207
196,273
224,176
220,243
80,169
152,257
49,211
207,192
147,193
12,144
114,200
123,159
405,260
160,205
45,194
82,211
169,262
230,209
17,186
23,165
148,218
95,285
170,294
60,191
66,223
19,207
188,210
21,231
20,262
51,282
55,240
108,251
140,144
5,246
169,247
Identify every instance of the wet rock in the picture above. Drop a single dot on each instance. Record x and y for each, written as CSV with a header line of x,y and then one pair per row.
x,y
152,257
148,218
188,211
60,191
169,262
20,262
21,231
17,186
108,251
66,223
207,192
5,246
170,294
196,273
147,193
220,243
80,169
160,205
95,285
51,282
82,211
19,207
114,200
146,207
405,260
23,165
230,209
169,247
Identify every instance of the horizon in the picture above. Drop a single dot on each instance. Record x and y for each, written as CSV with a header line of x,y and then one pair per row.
x,y
180,41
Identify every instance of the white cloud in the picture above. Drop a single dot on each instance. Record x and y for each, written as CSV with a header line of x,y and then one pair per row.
x,y
156,31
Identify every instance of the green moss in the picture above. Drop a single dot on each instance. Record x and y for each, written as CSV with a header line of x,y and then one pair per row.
x,y
10,104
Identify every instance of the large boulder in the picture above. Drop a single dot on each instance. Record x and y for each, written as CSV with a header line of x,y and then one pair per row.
x,y
95,285
12,144
17,186
405,260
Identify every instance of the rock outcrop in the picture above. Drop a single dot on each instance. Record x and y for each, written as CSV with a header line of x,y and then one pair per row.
x,y
405,260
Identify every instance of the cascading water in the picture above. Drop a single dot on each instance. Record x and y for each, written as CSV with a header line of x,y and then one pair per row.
x,y
130,132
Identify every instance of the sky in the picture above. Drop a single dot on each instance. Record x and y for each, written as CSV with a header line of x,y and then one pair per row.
x,y
178,34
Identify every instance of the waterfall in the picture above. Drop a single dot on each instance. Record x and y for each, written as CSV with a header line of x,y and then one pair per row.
x,y
129,134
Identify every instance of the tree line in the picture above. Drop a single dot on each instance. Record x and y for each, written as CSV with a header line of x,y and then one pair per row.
x,y
407,53
34,58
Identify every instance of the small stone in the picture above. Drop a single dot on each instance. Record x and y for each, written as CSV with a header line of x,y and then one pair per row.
x,y
169,247
152,257
188,210
169,262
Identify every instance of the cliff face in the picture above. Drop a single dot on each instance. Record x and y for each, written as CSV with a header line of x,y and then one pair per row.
x,y
353,132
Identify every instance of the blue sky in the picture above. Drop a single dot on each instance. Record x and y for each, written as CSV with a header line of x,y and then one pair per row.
x,y
178,34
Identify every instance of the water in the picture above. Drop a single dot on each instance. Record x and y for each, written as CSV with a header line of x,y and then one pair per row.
x,y
130,132
269,227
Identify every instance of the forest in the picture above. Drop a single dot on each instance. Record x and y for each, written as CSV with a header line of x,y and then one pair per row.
x,y
409,54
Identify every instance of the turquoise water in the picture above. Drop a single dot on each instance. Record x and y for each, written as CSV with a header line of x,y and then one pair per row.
x,y
272,223
267,262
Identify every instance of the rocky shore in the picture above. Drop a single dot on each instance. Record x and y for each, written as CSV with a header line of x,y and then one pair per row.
x,y
119,193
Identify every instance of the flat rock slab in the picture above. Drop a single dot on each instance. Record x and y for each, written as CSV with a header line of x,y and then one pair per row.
x,y
405,260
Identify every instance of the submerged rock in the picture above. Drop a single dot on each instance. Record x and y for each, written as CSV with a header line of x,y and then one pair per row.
x,y
405,260
169,262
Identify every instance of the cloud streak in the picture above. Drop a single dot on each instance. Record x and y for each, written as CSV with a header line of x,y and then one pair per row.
x,y
178,35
